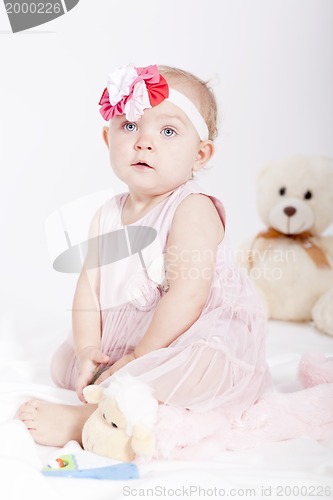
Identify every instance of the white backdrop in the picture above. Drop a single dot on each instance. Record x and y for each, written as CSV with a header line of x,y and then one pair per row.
x,y
271,64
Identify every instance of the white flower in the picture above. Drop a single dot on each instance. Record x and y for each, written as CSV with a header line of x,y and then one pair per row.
x,y
119,82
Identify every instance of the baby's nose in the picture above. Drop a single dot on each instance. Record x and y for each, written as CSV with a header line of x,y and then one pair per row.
x,y
143,143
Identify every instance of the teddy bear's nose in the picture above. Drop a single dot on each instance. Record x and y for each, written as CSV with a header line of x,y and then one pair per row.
x,y
289,211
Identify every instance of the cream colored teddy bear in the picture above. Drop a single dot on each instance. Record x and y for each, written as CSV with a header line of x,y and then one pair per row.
x,y
292,261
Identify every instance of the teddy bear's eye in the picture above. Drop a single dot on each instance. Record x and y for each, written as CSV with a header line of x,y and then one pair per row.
x,y
112,423
308,195
282,191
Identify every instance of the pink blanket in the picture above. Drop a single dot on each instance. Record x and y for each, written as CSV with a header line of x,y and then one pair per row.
x,y
275,417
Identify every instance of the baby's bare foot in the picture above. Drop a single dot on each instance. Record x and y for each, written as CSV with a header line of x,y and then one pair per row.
x,y
54,424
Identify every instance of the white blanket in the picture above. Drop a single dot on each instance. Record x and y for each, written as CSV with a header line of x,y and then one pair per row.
x,y
300,468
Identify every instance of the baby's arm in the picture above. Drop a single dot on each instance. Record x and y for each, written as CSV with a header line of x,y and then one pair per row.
x,y
86,316
194,236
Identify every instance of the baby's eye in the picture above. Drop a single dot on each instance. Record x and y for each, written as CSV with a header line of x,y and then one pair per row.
x,y
168,132
130,127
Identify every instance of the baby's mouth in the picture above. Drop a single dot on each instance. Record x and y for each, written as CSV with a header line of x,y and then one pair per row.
x,y
141,164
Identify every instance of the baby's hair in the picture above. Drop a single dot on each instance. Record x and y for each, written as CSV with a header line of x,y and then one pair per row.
x,y
198,91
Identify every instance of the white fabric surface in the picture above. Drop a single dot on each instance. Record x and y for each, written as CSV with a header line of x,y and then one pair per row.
x,y
276,470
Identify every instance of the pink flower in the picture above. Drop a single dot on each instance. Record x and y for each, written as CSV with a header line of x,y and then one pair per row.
x,y
131,90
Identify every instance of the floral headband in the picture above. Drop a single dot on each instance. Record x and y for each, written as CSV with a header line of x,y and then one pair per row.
x,y
131,90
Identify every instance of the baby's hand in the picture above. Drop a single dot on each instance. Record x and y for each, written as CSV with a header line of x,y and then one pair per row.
x,y
90,358
115,367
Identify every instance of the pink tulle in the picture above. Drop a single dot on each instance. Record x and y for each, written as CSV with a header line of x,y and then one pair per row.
x,y
220,360
274,417
315,369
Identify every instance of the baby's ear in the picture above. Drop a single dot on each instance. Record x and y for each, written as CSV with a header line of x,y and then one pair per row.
x,y
143,441
205,153
93,393
106,135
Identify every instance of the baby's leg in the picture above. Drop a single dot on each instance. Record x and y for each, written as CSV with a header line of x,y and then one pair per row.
x,y
64,368
199,377
54,424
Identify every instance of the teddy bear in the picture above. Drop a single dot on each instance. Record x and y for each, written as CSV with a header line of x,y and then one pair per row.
x,y
291,261
129,424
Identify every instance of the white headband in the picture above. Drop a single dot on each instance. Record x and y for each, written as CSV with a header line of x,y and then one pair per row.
x,y
191,111
131,90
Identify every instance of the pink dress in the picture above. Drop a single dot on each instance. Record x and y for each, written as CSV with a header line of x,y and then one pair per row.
x,y
220,360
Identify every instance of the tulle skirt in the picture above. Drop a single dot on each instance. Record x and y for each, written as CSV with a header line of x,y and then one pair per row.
x,y
218,362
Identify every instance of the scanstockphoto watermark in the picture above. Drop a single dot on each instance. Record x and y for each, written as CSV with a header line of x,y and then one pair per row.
x,y
193,264
270,254
268,264
25,14
263,491
189,263
193,491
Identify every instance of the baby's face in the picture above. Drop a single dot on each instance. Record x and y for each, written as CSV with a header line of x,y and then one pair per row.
x,y
156,153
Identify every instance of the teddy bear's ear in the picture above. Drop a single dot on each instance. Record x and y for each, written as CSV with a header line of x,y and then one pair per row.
x,y
93,393
263,171
143,441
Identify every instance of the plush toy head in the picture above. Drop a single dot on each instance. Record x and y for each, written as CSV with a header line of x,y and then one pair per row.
x,y
122,425
296,194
